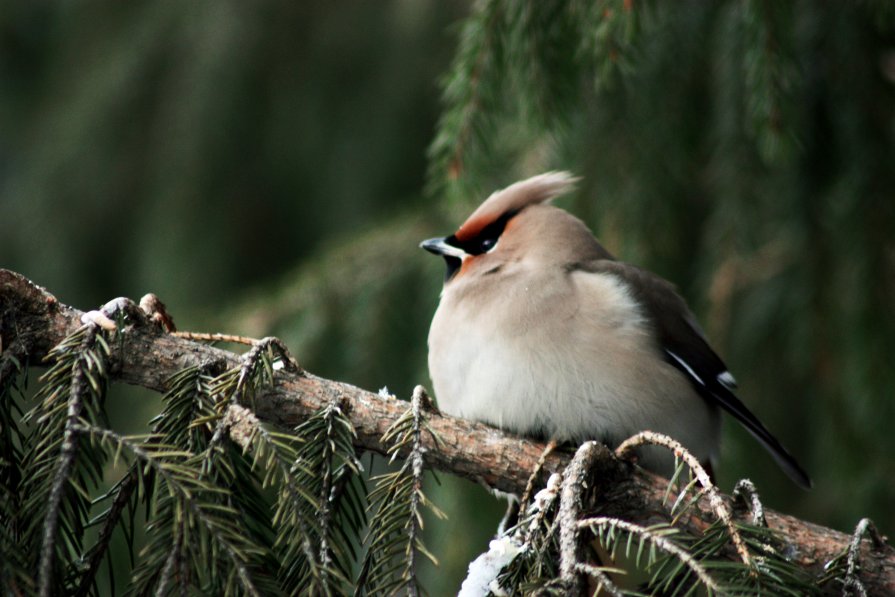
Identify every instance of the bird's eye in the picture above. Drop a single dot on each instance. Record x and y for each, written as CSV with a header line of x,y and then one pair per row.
x,y
487,244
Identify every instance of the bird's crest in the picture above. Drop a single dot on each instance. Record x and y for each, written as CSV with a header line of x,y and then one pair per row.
x,y
514,198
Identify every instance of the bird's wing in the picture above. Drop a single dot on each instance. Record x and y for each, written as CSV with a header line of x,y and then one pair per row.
x,y
685,347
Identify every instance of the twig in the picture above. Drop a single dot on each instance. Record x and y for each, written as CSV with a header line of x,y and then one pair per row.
x,y
157,312
715,500
852,581
570,505
204,337
539,466
174,558
251,359
66,461
657,540
325,496
242,424
541,505
745,493
601,577
179,492
417,404
98,552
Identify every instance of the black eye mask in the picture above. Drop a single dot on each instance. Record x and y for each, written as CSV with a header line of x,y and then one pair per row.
x,y
485,240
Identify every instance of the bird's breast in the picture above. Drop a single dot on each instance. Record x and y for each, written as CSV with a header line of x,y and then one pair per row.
x,y
569,357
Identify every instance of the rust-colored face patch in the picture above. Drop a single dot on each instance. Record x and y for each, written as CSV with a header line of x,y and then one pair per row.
x,y
467,263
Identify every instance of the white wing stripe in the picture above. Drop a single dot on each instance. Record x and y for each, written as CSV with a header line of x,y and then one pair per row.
x,y
687,367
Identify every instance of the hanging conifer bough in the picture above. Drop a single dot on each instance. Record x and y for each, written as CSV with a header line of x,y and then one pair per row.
x,y
525,71
250,482
394,540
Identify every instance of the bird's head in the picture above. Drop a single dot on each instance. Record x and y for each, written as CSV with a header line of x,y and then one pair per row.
x,y
512,225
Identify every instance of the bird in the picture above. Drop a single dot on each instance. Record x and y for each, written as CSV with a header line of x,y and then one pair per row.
x,y
541,332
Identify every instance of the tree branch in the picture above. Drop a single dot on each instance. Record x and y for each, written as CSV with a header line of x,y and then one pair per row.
x,y
32,321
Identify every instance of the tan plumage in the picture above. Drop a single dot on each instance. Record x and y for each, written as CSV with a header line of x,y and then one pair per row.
x,y
541,332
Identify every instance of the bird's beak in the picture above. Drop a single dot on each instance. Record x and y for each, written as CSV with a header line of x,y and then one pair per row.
x,y
438,246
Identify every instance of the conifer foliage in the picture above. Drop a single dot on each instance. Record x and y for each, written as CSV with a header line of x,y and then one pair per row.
x,y
719,125
231,506
228,505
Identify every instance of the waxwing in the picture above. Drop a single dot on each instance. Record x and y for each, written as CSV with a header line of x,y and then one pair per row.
x,y
541,332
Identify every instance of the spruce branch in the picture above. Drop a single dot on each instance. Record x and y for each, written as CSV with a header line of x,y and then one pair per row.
x,y
607,30
258,366
15,575
293,464
599,574
394,539
768,72
79,375
191,407
185,421
339,473
191,501
149,358
542,35
606,529
324,461
577,491
517,80
240,384
469,92
236,385
276,456
122,495
772,572
720,507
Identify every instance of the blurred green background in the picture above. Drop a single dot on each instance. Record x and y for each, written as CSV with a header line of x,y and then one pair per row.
x,y
262,167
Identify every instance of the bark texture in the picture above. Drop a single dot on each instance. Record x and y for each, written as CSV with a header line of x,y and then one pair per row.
x,y
32,321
